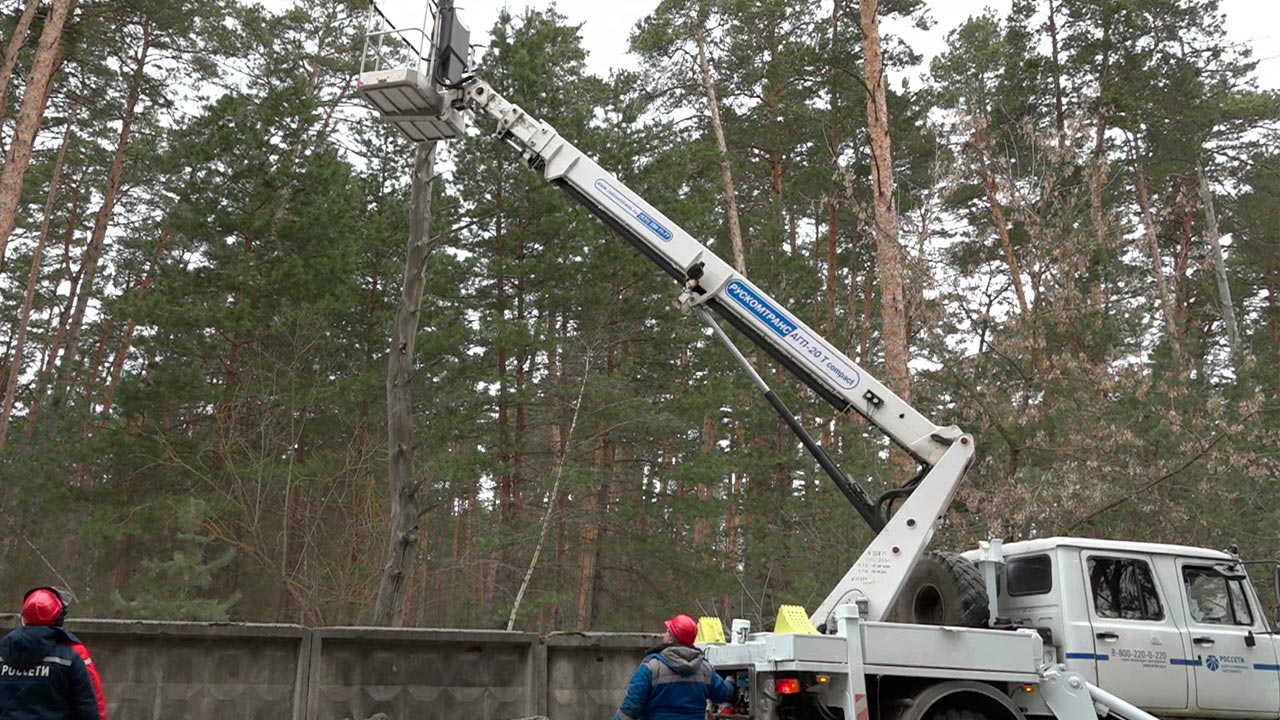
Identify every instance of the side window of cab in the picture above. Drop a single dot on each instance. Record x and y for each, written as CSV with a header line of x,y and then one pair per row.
x,y
1215,599
1124,588
1028,575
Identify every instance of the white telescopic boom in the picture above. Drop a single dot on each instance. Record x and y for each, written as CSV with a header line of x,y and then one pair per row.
x,y
878,575
710,280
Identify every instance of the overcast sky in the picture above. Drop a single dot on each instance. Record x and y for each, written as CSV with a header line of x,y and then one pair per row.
x,y
606,25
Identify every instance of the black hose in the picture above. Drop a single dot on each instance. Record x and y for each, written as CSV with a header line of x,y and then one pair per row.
x,y
391,25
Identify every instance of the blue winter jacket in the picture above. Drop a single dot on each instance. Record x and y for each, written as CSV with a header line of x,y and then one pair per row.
x,y
42,677
674,683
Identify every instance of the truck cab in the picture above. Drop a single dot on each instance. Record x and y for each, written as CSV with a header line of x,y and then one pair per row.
x,y
1178,631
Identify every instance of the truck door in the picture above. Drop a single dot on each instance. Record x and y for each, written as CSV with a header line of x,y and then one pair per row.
x,y
1136,638
1234,660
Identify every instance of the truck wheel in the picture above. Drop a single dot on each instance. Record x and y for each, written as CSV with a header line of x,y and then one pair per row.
x,y
956,714
944,589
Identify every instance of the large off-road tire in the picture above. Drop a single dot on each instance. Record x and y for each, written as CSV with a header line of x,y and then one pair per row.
x,y
955,714
944,589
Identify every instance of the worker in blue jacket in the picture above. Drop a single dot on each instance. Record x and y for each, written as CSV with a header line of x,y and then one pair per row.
x,y
674,682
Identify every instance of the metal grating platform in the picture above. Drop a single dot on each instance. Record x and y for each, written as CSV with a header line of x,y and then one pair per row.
x,y
405,98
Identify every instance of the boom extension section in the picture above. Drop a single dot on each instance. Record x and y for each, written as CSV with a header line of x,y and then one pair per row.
x,y
710,280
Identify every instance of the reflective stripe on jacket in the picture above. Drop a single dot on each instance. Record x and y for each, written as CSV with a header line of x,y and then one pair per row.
x,y
45,675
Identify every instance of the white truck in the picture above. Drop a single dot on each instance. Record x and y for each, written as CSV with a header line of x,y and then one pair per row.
x,y
1177,630
1065,627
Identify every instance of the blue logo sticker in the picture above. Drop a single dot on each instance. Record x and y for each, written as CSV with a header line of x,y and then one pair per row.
x,y
634,210
1212,662
654,225
778,322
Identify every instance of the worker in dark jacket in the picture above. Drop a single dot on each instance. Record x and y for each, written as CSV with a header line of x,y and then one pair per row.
x,y
674,682
46,672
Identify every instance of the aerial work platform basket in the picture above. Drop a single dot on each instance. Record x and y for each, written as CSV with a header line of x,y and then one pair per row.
x,y
407,81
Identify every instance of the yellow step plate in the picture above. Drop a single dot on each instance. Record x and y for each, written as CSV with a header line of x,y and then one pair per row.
x,y
793,620
710,631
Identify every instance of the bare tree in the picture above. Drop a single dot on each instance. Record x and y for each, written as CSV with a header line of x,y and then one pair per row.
x,y
1219,265
717,130
561,449
1157,267
404,488
981,142
888,251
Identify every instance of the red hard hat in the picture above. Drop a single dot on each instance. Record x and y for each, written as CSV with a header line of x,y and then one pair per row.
x,y
42,606
683,628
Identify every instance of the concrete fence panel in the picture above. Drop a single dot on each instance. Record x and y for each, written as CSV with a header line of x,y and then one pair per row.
x,y
358,672
587,673
168,670
241,671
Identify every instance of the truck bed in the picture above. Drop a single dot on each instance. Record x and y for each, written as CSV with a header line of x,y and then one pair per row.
x,y
895,649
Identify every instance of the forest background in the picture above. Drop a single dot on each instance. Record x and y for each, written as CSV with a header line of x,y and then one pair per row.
x,y
202,239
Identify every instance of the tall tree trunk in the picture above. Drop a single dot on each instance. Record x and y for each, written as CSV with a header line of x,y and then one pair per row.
x,y
609,514
45,378
982,141
122,353
835,143
296,137
593,512
831,202
102,220
33,279
1273,308
893,318
702,523
726,169
558,449
559,446
99,352
833,256
522,362
1097,173
1157,267
868,302
403,486
1182,267
506,490
34,100
732,522
1219,264
11,51
1060,114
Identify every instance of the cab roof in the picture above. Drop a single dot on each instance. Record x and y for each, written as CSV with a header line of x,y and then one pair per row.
x,y
1025,547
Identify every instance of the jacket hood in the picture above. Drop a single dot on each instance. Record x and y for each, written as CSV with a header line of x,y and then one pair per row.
x,y
683,659
26,647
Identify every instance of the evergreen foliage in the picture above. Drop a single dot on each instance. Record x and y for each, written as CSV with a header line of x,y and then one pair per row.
x,y
198,426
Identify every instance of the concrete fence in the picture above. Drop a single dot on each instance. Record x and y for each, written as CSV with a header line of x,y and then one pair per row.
x,y
238,671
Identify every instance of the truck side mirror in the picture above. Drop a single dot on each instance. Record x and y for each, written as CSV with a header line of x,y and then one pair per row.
x,y
1277,595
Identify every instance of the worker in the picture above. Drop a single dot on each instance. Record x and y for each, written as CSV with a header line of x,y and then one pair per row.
x,y
45,671
674,681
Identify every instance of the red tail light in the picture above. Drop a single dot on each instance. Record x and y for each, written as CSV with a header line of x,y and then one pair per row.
x,y
787,686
